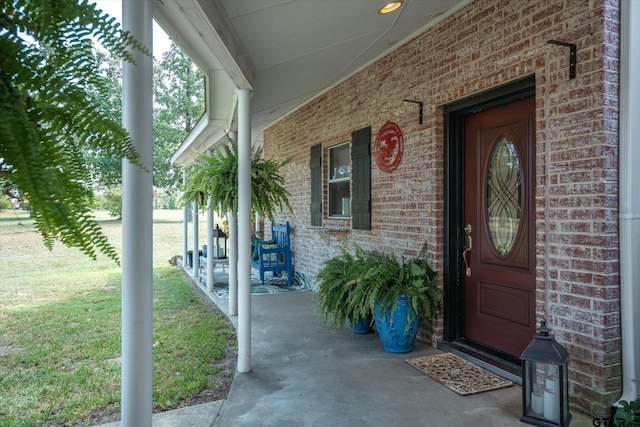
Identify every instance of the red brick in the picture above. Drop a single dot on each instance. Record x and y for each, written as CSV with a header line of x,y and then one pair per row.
x,y
484,45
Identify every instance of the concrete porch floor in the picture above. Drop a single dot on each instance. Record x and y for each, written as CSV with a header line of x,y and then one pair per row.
x,y
304,374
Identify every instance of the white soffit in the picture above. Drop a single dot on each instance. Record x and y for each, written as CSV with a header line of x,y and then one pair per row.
x,y
290,51
301,48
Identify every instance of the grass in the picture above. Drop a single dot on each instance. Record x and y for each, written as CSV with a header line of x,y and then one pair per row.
x,y
60,329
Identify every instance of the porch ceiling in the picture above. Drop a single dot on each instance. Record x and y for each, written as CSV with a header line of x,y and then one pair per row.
x,y
287,51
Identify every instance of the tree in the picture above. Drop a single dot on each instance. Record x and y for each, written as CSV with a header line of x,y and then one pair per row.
x,y
178,105
5,203
105,165
112,202
47,68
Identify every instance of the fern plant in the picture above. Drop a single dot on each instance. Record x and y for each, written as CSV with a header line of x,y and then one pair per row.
x,y
47,66
387,280
628,414
334,286
340,294
350,287
216,176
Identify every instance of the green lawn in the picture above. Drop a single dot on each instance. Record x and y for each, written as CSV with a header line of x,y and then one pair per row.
x,y
60,329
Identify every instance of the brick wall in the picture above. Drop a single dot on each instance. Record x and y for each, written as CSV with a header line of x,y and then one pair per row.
x,y
486,44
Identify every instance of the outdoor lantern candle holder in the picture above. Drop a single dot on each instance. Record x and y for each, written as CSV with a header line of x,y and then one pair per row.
x,y
545,383
221,251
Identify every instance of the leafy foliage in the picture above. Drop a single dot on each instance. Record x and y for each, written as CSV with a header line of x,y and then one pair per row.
x,y
414,278
47,66
5,203
339,291
178,105
628,414
351,285
105,163
112,202
216,176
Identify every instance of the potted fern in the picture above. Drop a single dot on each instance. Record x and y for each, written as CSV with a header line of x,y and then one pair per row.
x,y
373,283
401,294
340,297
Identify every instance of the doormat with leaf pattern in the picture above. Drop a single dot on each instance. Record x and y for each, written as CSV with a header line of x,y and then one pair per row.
x,y
458,374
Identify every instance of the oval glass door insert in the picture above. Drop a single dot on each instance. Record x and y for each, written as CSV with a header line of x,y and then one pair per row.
x,y
504,195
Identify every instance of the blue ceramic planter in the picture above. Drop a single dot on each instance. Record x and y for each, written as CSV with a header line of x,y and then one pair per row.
x,y
363,326
392,328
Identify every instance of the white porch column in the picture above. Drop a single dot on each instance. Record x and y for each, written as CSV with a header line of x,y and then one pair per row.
x,y
137,224
629,157
233,255
195,260
185,225
210,248
244,231
233,265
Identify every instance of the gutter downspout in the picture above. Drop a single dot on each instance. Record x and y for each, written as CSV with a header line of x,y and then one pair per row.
x,y
629,158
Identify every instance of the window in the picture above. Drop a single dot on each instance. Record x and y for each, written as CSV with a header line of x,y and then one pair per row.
x,y
355,161
339,182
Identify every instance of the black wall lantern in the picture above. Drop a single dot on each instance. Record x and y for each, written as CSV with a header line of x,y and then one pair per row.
x,y
545,382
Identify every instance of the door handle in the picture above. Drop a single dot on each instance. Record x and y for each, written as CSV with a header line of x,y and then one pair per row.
x,y
468,245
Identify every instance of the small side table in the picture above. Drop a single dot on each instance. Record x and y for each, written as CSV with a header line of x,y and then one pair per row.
x,y
224,262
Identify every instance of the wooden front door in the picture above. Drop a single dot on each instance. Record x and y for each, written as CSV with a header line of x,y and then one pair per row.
x,y
499,231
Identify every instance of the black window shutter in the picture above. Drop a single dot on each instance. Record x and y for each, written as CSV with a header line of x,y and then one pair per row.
x,y
361,179
316,185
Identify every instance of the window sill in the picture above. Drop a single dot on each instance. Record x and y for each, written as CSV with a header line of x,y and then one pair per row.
x,y
341,234
339,179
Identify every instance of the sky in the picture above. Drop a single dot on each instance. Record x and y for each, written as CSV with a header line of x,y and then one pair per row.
x,y
161,41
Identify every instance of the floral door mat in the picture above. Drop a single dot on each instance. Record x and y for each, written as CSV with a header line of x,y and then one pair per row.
x,y
457,374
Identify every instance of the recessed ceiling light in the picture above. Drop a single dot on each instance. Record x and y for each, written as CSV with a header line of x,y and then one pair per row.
x,y
390,7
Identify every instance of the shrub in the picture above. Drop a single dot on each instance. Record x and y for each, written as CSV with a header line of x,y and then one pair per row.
x,y
5,203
